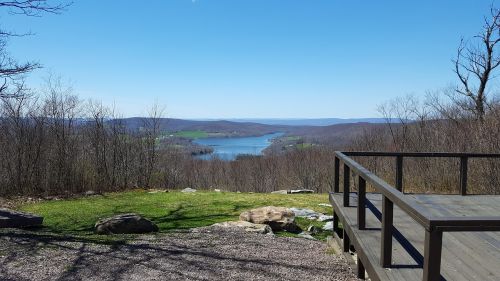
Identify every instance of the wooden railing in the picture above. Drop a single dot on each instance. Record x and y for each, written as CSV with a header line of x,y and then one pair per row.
x,y
434,225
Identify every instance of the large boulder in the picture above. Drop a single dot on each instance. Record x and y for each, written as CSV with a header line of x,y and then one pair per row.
x,y
247,226
125,224
278,218
15,219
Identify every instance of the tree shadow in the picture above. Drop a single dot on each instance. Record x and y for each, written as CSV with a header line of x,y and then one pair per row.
x,y
175,257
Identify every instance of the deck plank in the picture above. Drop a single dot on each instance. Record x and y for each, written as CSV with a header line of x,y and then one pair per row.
x,y
465,255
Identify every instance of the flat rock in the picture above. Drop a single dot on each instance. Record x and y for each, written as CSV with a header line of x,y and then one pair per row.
x,y
154,191
188,190
323,217
298,191
125,224
15,219
280,192
247,226
324,205
305,213
278,218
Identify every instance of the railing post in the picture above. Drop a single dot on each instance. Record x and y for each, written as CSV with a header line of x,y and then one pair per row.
x,y
399,173
336,223
361,203
463,175
432,255
347,183
386,243
336,178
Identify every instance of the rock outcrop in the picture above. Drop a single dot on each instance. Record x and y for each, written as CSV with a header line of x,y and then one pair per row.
x,y
15,219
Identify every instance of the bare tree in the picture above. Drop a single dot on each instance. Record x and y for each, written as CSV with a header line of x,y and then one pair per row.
x,y
476,60
11,71
151,130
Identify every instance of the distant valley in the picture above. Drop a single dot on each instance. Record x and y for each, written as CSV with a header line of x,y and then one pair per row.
x,y
180,133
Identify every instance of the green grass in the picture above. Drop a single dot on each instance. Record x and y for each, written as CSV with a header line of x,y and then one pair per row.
x,y
304,145
292,138
191,134
170,210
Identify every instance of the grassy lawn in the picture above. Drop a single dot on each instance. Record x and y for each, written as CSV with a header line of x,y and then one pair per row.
x,y
169,210
191,134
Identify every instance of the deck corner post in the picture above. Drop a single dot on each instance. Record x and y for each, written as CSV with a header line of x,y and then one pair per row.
x,y
336,177
347,183
361,203
387,225
463,175
335,223
432,255
360,269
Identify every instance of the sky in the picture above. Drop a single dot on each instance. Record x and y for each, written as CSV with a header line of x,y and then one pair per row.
x,y
248,58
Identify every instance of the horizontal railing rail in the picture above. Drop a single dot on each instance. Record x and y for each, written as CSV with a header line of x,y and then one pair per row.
x,y
464,157
422,154
434,225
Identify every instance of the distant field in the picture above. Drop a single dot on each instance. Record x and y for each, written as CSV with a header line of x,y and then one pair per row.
x,y
169,210
191,134
304,145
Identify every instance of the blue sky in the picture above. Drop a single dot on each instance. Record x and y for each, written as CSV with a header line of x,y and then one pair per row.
x,y
249,59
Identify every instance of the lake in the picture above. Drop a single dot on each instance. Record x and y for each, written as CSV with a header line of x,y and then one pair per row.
x,y
229,148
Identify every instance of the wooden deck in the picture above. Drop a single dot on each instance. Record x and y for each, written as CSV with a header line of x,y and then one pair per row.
x,y
465,255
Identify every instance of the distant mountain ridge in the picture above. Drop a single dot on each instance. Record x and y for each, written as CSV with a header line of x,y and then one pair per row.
x,y
306,121
243,127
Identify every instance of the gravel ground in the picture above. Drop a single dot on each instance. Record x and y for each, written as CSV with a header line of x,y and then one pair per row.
x,y
203,254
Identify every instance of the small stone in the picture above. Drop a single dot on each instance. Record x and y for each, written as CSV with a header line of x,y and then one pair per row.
x,y
324,205
188,190
328,226
313,229
90,193
323,217
217,190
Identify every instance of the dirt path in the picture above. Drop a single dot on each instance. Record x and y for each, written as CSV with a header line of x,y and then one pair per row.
x,y
205,254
